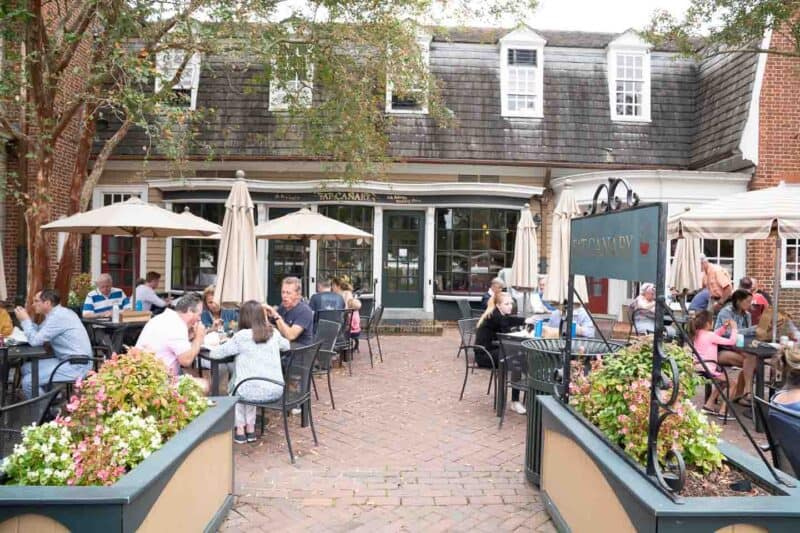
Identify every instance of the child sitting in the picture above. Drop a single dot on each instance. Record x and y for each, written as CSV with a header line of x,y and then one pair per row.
x,y
706,342
355,321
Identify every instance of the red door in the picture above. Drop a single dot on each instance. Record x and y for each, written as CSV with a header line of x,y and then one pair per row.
x,y
117,257
598,294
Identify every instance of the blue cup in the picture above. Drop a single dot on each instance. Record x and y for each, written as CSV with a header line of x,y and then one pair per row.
x,y
537,330
139,305
574,329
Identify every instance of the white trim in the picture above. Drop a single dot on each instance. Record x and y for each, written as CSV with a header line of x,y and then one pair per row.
x,y
190,78
508,190
748,144
377,254
795,284
424,43
523,38
262,250
455,298
168,256
277,98
430,258
739,259
629,43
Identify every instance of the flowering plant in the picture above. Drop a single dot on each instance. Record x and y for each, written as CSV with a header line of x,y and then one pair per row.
x,y
79,287
615,396
44,457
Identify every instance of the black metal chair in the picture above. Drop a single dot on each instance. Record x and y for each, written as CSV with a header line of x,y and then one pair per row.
x,y
344,344
514,361
781,425
66,384
464,308
372,331
466,332
470,351
606,326
16,416
325,334
296,390
6,364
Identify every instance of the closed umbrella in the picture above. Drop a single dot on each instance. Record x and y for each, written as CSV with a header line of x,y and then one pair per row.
x,y
756,214
237,268
133,218
685,270
524,270
556,288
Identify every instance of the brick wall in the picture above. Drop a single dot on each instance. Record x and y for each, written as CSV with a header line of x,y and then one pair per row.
x,y
779,155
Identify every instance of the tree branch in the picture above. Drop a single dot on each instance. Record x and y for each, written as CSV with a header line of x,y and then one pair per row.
x,y
100,162
13,131
79,27
66,117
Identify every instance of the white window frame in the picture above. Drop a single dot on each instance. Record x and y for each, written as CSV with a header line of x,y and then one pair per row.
x,y
424,43
629,44
785,283
522,39
167,64
304,89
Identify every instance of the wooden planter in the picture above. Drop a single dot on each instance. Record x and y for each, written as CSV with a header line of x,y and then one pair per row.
x,y
588,487
187,485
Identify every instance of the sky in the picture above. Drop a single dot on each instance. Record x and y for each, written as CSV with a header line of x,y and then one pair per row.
x,y
600,15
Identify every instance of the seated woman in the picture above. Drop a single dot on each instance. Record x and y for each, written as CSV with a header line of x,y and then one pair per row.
x,y
706,342
257,347
497,319
643,309
213,316
584,325
738,311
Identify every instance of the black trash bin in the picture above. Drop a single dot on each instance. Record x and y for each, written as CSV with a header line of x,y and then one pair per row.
x,y
544,364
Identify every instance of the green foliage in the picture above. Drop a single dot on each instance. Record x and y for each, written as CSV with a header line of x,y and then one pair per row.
x,y
615,396
719,26
44,457
79,287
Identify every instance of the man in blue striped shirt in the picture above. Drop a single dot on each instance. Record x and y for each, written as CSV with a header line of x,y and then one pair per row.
x,y
100,301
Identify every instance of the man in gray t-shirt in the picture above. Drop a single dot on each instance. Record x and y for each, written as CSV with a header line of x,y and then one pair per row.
x,y
293,318
324,299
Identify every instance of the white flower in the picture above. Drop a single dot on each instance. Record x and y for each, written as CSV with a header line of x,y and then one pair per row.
x,y
48,471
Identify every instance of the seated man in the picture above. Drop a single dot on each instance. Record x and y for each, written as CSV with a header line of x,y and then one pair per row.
x,y
496,287
65,333
699,301
293,318
100,302
146,293
585,327
175,337
325,299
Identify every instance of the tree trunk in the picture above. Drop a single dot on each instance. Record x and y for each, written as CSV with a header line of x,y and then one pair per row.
x,y
37,215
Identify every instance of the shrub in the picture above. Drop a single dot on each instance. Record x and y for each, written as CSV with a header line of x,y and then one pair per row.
x,y
615,396
43,458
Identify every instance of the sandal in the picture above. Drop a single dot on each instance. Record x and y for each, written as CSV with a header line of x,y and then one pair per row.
x,y
746,400
710,412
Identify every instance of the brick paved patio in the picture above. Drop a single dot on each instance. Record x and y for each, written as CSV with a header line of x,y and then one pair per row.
x,y
399,453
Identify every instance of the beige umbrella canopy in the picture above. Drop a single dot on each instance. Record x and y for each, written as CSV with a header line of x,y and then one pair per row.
x,y
237,268
556,288
306,224
524,269
134,218
685,271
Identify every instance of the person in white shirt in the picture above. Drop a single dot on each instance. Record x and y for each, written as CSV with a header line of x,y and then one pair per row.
x,y
146,292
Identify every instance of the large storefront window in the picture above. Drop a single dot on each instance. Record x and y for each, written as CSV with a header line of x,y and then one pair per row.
x,y
351,259
194,261
472,246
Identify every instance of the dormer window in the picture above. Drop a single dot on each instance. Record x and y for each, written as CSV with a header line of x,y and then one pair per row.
x,y
522,74
291,82
629,78
184,92
415,100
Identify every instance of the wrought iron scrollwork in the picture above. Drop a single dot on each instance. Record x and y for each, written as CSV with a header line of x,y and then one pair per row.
x,y
672,476
612,202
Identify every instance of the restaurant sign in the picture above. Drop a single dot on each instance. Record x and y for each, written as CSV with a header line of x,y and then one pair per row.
x,y
619,244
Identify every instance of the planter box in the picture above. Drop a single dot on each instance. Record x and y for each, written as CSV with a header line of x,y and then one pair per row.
x,y
587,486
187,485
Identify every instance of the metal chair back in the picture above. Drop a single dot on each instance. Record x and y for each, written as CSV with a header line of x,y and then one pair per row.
x,y
782,428
16,416
467,328
297,376
326,334
606,325
464,308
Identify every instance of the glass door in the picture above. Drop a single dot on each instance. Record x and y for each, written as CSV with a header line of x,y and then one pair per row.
x,y
403,241
286,258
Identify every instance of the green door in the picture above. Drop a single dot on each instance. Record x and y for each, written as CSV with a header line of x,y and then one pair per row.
x,y
286,258
403,241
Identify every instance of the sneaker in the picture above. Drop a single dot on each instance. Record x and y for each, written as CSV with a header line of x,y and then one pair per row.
x,y
518,408
251,437
240,439
296,411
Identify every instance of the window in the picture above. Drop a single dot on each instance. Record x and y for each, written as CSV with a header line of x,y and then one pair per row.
x,y
415,100
194,261
719,252
629,78
791,263
351,258
472,245
291,81
522,74
184,92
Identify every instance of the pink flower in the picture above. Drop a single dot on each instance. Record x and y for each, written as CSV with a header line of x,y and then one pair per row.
x,y
100,396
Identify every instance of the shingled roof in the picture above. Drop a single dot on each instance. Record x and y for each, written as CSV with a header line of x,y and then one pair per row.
x,y
698,110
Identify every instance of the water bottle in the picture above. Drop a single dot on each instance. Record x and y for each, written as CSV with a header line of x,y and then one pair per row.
x,y
574,329
115,313
537,330
139,305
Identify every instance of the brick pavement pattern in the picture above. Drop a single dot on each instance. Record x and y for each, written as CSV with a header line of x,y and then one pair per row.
x,y
399,453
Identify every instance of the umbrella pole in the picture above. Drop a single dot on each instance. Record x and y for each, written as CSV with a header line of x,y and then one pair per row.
x,y
137,249
777,288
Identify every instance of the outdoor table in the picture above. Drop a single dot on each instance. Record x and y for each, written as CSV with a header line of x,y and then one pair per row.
x,y
114,330
26,353
762,352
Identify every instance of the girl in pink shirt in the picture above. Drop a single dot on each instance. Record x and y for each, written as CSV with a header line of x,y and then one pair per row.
x,y
355,321
706,341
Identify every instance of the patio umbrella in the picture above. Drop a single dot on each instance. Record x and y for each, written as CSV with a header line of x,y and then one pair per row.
x,y
685,271
237,268
555,289
133,218
524,269
749,215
